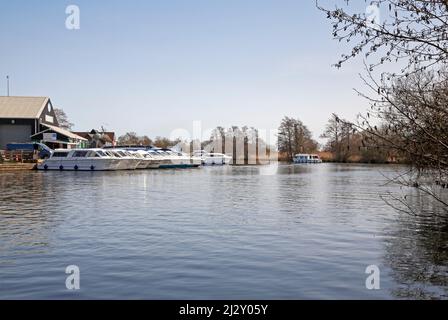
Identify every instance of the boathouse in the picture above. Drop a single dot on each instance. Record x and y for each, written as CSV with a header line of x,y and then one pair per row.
x,y
26,119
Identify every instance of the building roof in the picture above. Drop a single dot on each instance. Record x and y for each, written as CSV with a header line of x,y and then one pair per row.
x,y
22,107
61,131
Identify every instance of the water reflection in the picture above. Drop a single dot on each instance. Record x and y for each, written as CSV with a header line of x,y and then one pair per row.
x,y
417,251
25,214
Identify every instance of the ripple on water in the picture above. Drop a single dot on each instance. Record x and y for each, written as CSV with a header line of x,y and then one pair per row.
x,y
232,232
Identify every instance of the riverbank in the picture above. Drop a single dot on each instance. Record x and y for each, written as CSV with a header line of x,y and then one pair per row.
x,y
329,157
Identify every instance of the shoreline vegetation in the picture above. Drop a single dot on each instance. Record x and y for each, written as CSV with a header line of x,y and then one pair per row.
x,y
407,114
246,144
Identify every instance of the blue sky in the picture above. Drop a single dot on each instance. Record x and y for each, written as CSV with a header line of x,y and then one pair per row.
x,y
155,66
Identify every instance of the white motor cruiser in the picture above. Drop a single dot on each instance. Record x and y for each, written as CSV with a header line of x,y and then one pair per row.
x,y
210,158
306,158
151,161
178,159
80,160
131,162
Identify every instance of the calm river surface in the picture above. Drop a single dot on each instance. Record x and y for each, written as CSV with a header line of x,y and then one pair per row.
x,y
286,232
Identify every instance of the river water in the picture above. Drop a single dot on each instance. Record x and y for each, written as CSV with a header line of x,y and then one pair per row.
x,y
249,232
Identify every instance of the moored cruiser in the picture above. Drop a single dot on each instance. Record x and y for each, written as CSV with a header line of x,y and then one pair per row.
x,y
306,158
80,160
211,159
177,159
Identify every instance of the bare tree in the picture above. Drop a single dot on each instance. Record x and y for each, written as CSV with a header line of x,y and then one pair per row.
x,y
348,144
243,143
294,137
408,108
131,138
413,31
332,133
62,119
162,142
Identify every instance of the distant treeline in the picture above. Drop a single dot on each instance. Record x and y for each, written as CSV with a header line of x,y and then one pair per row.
x,y
343,143
246,146
132,138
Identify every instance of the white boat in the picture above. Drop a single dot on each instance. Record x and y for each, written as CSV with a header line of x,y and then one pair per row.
x,y
133,161
80,160
174,159
151,161
144,162
127,162
196,161
210,158
161,160
307,158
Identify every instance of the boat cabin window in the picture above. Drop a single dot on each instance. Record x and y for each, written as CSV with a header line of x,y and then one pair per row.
x,y
80,154
101,154
60,154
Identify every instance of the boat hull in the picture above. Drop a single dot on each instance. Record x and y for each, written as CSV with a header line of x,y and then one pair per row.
x,y
79,165
215,161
